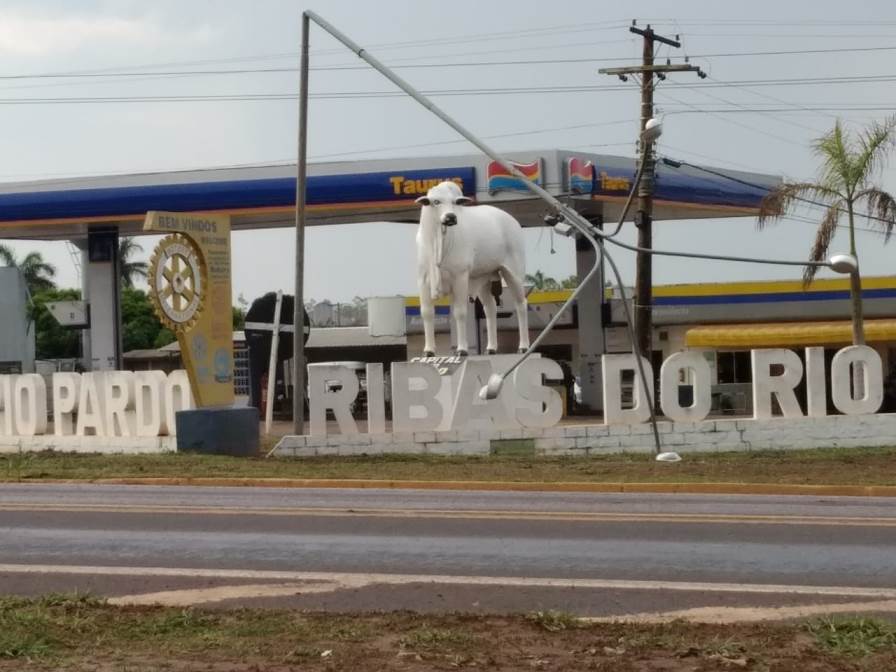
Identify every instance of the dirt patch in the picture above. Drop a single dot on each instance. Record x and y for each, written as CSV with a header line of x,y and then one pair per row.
x,y
78,633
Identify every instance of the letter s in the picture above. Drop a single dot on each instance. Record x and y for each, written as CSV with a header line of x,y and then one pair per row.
x,y
540,406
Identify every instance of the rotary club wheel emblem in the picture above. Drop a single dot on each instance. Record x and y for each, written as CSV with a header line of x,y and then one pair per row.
x,y
177,278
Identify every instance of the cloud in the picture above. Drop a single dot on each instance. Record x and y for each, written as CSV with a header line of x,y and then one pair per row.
x,y
26,33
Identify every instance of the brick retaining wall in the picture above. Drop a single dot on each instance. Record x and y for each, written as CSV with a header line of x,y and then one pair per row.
x,y
684,437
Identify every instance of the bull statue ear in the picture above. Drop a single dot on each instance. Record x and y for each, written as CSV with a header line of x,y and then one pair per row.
x,y
463,200
423,200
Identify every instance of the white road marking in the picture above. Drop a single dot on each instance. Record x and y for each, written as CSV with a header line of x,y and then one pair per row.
x,y
749,614
467,514
190,596
355,580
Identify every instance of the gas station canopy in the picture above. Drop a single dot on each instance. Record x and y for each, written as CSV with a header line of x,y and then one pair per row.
x,y
369,190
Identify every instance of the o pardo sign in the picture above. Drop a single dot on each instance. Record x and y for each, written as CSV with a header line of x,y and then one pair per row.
x,y
108,403
424,400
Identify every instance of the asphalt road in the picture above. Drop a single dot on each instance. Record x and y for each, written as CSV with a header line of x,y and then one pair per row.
x,y
594,554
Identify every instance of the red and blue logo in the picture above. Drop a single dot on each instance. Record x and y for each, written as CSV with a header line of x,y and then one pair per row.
x,y
499,179
581,175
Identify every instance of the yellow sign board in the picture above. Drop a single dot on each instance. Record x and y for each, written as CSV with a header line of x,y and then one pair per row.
x,y
189,277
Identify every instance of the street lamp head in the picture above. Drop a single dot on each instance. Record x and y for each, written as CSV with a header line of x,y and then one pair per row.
x,y
844,263
564,229
653,129
493,388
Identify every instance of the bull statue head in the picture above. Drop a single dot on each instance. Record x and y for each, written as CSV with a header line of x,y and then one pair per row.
x,y
444,198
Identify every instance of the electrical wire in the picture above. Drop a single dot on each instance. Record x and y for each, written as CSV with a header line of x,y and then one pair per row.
x,y
416,65
766,188
781,138
717,257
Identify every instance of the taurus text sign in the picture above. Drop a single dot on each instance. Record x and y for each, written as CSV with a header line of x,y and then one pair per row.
x,y
427,397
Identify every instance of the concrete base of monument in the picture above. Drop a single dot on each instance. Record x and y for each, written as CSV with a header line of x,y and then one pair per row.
x,y
218,431
112,445
836,431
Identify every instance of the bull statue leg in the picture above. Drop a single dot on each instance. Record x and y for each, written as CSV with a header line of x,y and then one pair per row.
x,y
490,308
518,296
428,314
460,302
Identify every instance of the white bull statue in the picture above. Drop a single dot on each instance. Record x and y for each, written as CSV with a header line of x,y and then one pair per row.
x,y
461,251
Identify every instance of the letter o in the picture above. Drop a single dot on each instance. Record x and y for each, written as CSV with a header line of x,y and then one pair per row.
x,y
30,395
699,409
841,381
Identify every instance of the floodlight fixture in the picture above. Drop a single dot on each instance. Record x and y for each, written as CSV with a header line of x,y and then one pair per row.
x,y
492,389
653,129
844,263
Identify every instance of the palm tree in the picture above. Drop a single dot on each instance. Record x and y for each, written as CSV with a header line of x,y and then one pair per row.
x,y
128,270
849,164
571,282
38,274
541,282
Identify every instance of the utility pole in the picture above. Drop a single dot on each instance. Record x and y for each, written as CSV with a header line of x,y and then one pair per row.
x,y
644,216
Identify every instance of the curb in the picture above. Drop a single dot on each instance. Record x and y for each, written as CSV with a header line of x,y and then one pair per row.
x,y
655,488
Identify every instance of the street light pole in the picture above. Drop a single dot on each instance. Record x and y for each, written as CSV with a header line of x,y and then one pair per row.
x,y
650,74
298,335
644,216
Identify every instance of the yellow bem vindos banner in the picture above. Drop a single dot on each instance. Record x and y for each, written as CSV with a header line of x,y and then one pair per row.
x,y
189,279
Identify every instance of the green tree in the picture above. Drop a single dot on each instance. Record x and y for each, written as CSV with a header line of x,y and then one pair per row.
x,y
37,272
239,313
542,283
571,282
53,341
128,268
140,326
849,164
164,337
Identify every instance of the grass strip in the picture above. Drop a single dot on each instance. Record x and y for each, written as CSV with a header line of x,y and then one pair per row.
x,y
78,632
832,466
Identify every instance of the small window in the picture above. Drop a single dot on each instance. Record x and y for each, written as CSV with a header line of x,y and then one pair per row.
x,y
734,367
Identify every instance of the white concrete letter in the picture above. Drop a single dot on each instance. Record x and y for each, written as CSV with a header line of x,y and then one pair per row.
x,y
468,411
614,414
118,390
178,397
66,387
376,403
7,406
415,407
30,395
332,387
842,391
90,411
765,385
816,399
702,386
540,405
149,397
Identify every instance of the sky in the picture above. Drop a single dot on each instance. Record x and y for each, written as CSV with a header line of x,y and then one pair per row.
x,y
761,115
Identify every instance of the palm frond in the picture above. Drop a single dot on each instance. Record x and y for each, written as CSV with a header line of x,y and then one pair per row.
x,y
778,202
823,237
882,206
837,167
7,256
874,144
127,247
